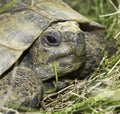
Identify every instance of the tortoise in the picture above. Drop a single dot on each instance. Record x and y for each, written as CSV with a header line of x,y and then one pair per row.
x,y
35,34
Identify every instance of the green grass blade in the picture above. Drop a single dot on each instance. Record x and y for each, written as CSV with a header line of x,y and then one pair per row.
x,y
56,74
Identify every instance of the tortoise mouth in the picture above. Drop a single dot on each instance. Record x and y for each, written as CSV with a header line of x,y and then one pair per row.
x,y
68,63
64,65
67,60
64,58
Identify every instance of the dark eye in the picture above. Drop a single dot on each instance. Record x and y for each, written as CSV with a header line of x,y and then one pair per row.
x,y
51,40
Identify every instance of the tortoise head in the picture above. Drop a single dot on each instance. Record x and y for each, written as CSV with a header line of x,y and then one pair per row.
x,y
62,43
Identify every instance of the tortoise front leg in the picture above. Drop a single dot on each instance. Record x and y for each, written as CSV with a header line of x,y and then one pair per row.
x,y
21,89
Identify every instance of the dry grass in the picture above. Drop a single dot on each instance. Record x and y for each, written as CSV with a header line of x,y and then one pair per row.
x,y
98,94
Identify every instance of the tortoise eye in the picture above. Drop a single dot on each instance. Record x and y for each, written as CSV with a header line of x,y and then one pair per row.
x,y
49,40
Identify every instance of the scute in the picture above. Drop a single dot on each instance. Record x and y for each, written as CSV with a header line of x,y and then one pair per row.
x,y
57,10
8,57
18,31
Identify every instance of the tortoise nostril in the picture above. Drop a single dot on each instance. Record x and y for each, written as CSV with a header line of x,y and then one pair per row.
x,y
78,44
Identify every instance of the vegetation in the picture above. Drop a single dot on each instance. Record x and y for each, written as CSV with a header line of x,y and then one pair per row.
x,y
100,94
